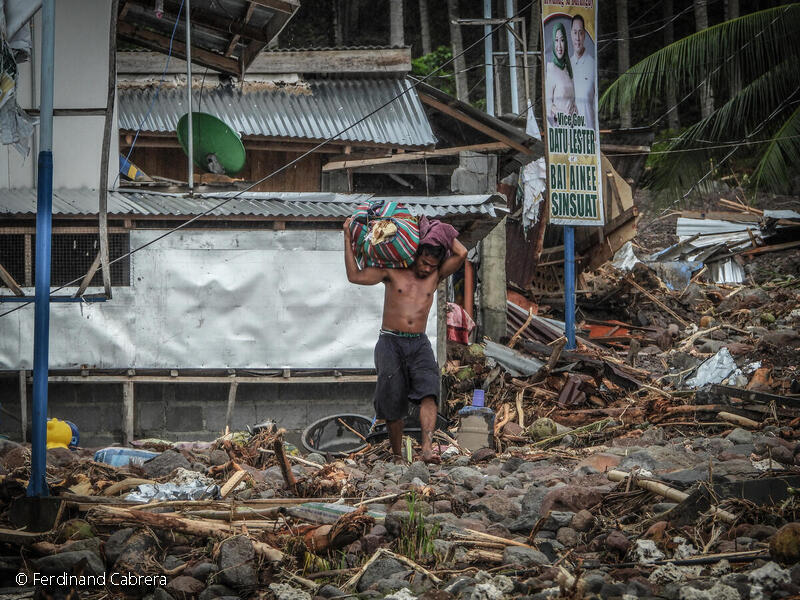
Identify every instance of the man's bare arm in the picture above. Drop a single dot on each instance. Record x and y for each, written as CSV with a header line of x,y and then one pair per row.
x,y
454,261
368,276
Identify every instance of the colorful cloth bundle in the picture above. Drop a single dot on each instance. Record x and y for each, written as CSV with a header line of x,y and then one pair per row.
x,y
385,235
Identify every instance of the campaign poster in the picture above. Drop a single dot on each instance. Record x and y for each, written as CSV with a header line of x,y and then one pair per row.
x,y
574,174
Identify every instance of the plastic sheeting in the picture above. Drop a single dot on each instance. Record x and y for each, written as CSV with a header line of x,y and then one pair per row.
x,y
534,185
720,367
218,299
194,490
625,258
515,363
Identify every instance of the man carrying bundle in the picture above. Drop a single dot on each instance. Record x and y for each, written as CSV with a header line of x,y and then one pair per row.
x,y
404,359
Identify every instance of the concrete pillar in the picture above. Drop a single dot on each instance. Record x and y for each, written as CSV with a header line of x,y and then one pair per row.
x,y
493,276
477,174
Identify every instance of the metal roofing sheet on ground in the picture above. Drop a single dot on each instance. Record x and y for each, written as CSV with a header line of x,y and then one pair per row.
x,y
319,112
262,204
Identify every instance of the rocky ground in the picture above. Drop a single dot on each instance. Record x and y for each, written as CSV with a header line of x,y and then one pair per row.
x,y
658,459
552,520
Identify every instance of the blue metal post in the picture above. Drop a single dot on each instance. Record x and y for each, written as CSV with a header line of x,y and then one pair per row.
x,y
569,285
44,215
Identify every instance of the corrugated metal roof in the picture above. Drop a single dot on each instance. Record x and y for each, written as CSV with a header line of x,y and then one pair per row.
x,y
322,110
262,204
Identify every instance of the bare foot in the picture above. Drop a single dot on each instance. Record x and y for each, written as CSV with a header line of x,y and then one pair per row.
x,y
430,458
398,459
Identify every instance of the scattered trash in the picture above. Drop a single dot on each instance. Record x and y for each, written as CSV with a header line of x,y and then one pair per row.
x,y
121,457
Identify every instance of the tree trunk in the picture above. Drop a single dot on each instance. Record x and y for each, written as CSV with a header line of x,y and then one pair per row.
x,y
735,82
706,92
672,94
338,23
624,58
396,37
459,64
425,26
534,31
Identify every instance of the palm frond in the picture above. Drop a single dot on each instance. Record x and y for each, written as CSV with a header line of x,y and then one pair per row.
x,y
753,43
781,156
741,115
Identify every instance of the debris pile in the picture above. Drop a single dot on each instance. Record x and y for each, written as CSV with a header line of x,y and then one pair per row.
x,y
658,459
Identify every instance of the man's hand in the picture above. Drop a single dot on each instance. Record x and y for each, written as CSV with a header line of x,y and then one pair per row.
x,y
346,226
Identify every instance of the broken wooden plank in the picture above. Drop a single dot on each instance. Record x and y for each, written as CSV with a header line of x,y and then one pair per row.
x,y
458,115
10,282
232,482
283,463
409,156
668,492
666,308
754,396
772,248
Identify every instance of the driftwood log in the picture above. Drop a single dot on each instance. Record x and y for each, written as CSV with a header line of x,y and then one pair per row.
x,y
114,515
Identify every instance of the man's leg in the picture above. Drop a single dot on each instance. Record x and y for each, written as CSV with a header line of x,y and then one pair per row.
x,y
427,420
396,437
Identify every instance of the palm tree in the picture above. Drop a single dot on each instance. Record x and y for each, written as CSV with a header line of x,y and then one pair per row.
x,y
760,122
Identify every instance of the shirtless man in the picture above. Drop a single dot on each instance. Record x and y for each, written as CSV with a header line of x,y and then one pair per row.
x,y
404,359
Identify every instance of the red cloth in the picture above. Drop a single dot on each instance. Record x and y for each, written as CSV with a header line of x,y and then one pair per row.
x,y
459,324
436,233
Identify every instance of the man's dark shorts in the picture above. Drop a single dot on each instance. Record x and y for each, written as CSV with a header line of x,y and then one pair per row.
x,y
407,371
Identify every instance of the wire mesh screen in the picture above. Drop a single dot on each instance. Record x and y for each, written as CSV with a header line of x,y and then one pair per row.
x,y
12,257
72,254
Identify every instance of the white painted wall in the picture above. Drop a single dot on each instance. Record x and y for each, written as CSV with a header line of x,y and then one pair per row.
x,y
81,75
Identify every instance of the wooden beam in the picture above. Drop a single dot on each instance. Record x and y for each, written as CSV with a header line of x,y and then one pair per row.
x,y
456,114
386,60
71,112
285,6
29,258
772,248
236,36
89,275
125,379
408,169
127,409
154,139
203,18
58,230
102,203
23,404
248,55
159,42
231,405
411,156
10,282
624,149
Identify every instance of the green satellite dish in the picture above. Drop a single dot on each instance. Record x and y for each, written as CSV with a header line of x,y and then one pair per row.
x,y
217,147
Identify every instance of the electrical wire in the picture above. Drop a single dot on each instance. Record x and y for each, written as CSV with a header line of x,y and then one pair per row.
x,y
743,142
287,165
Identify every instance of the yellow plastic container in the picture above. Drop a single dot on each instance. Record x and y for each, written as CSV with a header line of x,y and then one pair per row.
x,y
59,434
